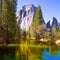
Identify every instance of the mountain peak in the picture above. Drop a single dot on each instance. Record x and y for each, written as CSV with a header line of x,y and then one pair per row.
x,y
53,18
28,7
25,16
51,22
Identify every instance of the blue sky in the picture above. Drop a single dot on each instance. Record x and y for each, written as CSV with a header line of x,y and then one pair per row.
x,y
50,8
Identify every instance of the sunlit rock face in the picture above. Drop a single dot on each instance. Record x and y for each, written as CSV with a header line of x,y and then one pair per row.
x,y
25,16
51,22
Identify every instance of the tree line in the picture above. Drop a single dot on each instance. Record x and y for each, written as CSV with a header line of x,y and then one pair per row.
x,y
10,29
11,32
39,30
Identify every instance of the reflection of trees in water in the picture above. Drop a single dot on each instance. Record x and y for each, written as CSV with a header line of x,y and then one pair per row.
x,y
7,53
27,52
54,50
36,53
50,52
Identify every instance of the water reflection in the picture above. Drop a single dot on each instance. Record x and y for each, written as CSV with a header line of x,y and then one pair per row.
x,y
47,56
40,53
30,52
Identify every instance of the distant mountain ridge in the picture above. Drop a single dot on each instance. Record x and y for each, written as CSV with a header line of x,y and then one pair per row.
x,y
25,17
51,22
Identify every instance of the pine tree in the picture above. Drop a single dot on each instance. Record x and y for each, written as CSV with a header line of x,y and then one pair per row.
x,y
9,20
37,20
54,33
58,34
0,18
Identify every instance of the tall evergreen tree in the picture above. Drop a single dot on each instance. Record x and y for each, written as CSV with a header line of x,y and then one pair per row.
x,y
9,19
0,18
58,34
54,33
37,20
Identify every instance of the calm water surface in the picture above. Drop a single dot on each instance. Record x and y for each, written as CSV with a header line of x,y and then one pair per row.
x,y
34,52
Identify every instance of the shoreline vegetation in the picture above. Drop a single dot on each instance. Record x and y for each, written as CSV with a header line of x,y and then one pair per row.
x,y
32,41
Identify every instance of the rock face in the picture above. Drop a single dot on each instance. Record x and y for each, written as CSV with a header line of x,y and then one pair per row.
x,y
51,22
25,16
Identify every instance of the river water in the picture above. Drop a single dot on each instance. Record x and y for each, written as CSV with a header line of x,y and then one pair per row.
x,y
51,52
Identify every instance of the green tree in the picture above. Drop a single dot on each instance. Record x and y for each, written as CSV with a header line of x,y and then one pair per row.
x,y
37,20
9,20
58,33
54,33
0,18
